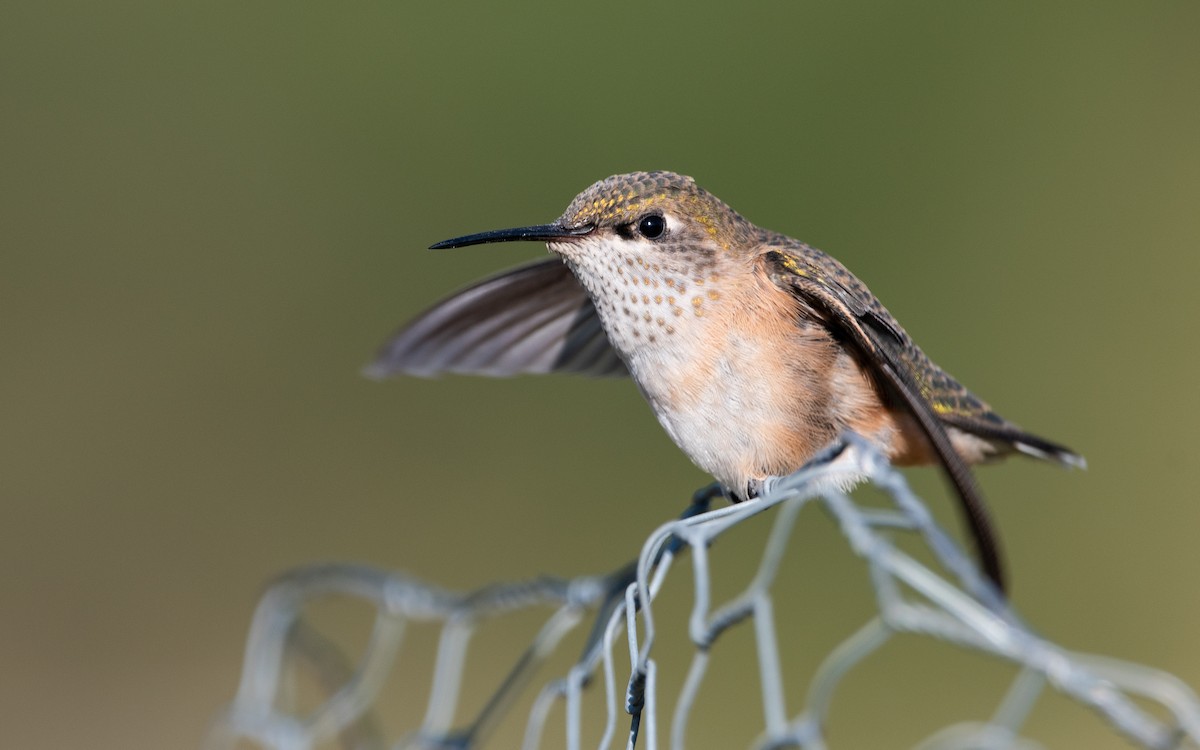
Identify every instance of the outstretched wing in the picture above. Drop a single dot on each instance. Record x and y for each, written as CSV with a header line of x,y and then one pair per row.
x,y
532,319
902,371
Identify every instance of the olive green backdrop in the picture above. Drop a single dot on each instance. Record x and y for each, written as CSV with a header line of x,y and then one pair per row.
x,y
212,213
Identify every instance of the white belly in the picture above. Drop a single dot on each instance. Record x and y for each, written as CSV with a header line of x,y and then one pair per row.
x,y
733,377
732,405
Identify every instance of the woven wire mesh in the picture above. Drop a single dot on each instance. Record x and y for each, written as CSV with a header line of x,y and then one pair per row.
x,y
1148,707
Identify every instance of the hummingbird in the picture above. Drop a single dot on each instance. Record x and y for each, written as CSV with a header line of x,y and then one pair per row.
x,y
753,349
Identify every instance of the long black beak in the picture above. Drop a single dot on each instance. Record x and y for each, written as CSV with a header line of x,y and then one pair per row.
x,y
538,233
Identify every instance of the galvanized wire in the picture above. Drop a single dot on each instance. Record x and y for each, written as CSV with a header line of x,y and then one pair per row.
x,y
954,604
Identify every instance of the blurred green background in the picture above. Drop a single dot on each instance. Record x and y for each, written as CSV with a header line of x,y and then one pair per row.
x,y
212,213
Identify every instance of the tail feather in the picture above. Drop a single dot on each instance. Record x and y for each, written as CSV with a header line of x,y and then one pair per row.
x,y
1008,435
1031,445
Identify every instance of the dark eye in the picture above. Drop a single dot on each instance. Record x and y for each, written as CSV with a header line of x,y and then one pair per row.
x,y
652,226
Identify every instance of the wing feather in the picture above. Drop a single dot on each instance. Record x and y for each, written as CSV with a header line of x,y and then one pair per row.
x,y
535,318
858,319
